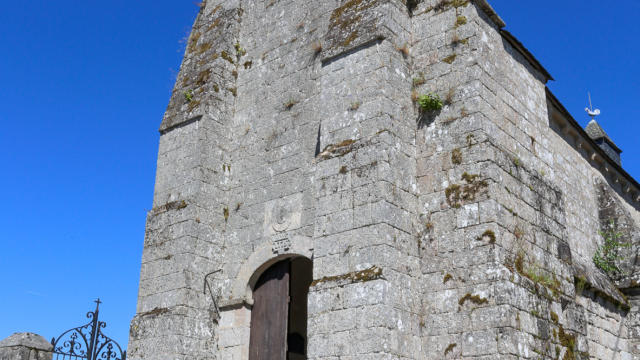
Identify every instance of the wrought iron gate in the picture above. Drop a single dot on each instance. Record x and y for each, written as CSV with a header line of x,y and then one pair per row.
x,y
87,342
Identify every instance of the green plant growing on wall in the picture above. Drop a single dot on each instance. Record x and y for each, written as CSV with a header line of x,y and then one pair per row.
x,y
188,95
461,20
607,255
240,51
429,102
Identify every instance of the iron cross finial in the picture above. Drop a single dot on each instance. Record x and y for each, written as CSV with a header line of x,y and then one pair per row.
x,y
98,302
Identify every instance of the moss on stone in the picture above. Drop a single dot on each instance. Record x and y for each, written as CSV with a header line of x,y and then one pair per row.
x,y
193,41
450,59
350,38
535,274
214,24
345,19
155,312
202,48
449,349
490,235
208,59
339,149
456,40
516,161
457,194
203,77
469,178
470,139
473,298
216,9
452,192
370,274
456,156
580,285
173,205
193,104
459,3
240,51
447,4
569,342
346,15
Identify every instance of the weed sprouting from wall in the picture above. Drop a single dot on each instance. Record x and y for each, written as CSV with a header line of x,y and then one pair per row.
x,y
429,102
450,95
608,255
188,96
420,80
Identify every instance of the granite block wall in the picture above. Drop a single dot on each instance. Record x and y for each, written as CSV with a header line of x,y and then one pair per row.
x,y
466,232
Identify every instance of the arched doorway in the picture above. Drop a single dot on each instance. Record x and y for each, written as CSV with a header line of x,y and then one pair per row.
x,y
279,313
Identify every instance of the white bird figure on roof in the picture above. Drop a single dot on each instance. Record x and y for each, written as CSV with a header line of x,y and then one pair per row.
x,y
593,113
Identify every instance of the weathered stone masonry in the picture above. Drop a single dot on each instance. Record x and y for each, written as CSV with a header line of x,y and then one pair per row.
x,y
466,232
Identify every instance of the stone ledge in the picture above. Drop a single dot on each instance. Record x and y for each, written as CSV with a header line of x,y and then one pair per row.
x,y
599,284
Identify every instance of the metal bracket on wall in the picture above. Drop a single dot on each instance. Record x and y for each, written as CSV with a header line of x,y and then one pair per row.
x,y
213,296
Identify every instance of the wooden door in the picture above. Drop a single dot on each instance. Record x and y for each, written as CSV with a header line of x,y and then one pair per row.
x,y
270,314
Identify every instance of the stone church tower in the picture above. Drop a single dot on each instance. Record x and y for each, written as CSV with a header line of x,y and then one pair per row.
x,y
380,179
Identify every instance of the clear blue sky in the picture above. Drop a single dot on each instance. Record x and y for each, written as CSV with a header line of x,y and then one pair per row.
x,y
84,85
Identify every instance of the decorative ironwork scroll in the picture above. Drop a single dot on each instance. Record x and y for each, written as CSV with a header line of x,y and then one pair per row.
x,y
87,342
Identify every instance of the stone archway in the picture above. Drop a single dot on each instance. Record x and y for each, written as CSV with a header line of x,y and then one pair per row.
x,y
261,259
237,304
